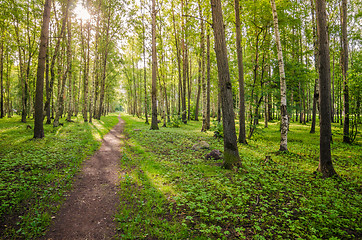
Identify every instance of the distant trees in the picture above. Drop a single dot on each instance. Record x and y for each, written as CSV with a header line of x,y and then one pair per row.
x,y
63,63
88,60
188,76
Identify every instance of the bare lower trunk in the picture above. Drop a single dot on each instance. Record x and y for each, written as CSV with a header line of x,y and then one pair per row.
x,y
315,99
198,93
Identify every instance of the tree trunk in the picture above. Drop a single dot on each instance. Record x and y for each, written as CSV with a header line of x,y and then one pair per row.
x,y
44,35
325,159
85,77
239,51
144,64
198,92
344,58
178,54
333,98
283,88
104,67
8,84
69,52
154,123
63,79
1,78
266,117
231,152
203,81
316,65
52,73
208,68
184,65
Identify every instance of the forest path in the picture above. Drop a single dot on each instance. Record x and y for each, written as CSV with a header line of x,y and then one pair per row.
x,y
89,208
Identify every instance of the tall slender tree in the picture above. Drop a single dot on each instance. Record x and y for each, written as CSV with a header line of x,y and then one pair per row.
x,y
38,123
231,152
1,77
144,61
63,79
283,87
325,159
154,123
316,64
208,84
69,59
239,51
344,58
203,81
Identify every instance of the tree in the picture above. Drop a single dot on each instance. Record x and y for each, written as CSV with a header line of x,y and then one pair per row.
x,y
344,58
144,61
63,79
38,123
325,159
239,51
316,64
1,77
231,152
104,65
203,81
283,88
69,59
154,123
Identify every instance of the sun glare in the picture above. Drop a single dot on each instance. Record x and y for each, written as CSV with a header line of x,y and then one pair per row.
x,y
82,13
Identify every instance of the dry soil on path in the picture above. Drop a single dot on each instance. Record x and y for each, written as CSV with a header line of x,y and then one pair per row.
x,y
89,209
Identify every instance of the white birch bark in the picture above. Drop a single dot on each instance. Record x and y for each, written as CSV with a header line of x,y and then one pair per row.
x,y
283,87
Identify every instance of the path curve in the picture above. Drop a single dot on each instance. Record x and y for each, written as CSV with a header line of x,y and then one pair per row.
x,y
89,209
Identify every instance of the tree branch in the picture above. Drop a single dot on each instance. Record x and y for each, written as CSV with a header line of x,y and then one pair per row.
x,y
198,18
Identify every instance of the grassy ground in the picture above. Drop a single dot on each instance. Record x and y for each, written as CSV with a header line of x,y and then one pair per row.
x,y
35,174
169,191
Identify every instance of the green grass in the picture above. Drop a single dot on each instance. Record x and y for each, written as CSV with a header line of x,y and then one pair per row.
x,y
35,174
169,191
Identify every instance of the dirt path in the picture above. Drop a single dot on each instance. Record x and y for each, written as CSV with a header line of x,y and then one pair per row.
x,y
88,211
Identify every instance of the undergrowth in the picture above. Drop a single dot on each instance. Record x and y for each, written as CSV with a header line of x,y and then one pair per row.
x,y
169,191
35,174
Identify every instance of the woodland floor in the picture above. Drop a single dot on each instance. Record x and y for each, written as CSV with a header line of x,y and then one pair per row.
x,y
90,206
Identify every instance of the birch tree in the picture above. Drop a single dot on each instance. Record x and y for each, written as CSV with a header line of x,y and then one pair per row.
x,y
283,87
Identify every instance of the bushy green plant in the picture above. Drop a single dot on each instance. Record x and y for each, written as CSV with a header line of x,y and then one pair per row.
x,y
176,121
218,129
